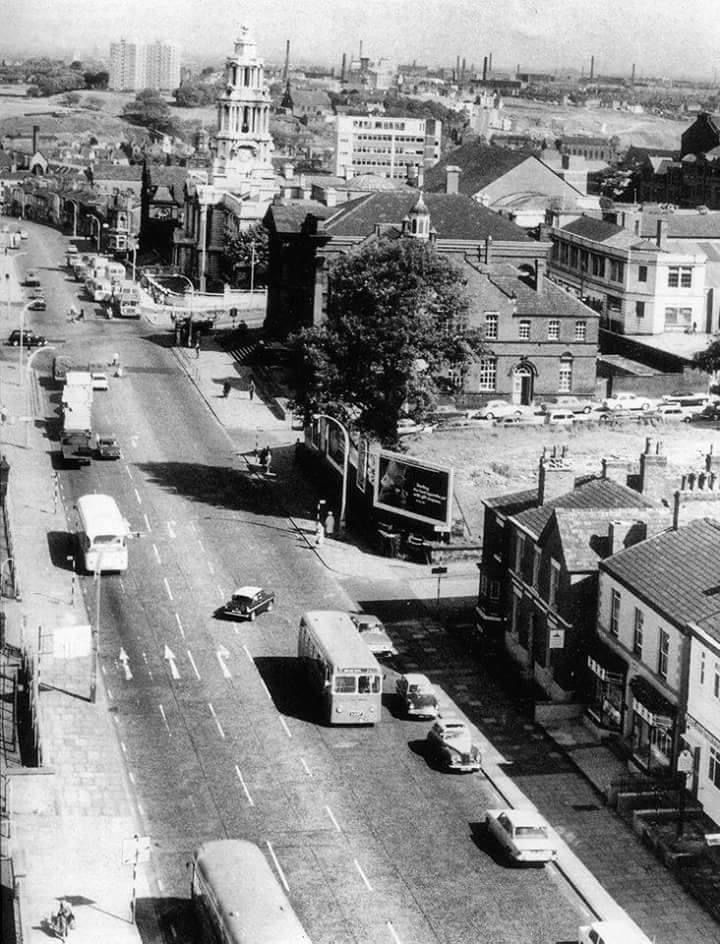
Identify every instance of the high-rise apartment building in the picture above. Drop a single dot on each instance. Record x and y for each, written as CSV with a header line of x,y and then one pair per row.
x,y
135,66
373,144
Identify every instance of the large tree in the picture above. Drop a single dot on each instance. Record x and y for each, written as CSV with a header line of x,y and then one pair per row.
x,y
395,316
709,359
245,257
150,110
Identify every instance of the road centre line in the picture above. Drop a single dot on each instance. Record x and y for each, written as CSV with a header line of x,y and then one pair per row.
x,y
247,652
171,532
202,546
141,809
157,553
307,769
192,663
283,722
393,933
332,818
131,777
162,712
127,469
220,592
363,876
137,495
123,748
160,884
217,720
211,568
167,587
277,866
180,625
250,800
147,523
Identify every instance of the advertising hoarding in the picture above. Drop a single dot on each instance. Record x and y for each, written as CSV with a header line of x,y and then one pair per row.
x,y
413,489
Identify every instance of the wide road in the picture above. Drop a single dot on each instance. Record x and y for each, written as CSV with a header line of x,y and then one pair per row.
x,y
213,721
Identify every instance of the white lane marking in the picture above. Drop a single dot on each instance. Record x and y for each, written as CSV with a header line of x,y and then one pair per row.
x,y
221,594
109,694
131,777
162,712
167,587
127,469
211,568
332,818
267,691
202,546
157,554
160,884
283,722
393,933
250,800
192,663
147,523
247,653
103,670
141,809
123,747
169,656
171,531
147,666
122,585
223,654
192,527
173,932
217,720
307,769
363,876
137,495
180,625
280,872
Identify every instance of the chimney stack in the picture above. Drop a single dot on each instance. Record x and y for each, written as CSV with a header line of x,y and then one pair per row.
x,y
556,475
622,534
452,178
457,68
540,267
462,75
485,68
592,68
661,234
653,470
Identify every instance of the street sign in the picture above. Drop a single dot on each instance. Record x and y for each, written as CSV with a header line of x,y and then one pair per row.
x,y
439,570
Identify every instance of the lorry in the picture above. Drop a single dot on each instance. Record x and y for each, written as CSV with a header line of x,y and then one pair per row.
x,y
76,442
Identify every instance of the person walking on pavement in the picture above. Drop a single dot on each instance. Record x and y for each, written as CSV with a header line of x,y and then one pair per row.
x,y
266,459
330,524
319,534
251,389
197,348
226,389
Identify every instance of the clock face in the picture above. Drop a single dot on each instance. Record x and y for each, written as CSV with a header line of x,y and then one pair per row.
x,y
162,213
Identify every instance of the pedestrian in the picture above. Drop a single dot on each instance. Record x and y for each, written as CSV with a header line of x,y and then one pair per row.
x,y
319,534
251,389
330,524
226,389
81,315
266,459
197,348
115,360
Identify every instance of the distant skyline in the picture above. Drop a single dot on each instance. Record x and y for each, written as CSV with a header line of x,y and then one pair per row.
x,y
662,37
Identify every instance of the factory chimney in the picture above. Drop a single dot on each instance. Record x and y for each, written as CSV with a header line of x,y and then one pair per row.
x,y
286,70
592,68
490,63
457,68
632,78
485,68
344,66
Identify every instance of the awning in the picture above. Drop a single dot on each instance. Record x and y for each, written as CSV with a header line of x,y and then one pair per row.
x,y
606,664
651,705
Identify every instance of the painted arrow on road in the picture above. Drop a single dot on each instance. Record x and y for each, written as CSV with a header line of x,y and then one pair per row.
x,y
169,656
223,654
124,662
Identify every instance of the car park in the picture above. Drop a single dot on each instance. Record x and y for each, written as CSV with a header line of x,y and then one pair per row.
x,y
99,380
29,338
522,834
248,602
107,446
417,696
37,304
449,743
374,634
628,401
611,932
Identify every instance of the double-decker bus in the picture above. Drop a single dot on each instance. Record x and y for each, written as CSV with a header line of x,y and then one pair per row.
x,y
238,899
340,667
102,534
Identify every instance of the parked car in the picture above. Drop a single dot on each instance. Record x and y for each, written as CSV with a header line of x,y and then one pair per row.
x,y
29,338
449,743
99,380
495,409
534,418
672,412
37,304
567,402
374,633
686,398
407,426
523,835
32,279
248,602
23,234
559,417
107,446
628,401
611,932
417,695
708,416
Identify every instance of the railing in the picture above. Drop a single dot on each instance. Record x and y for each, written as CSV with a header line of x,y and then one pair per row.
x,y
28,710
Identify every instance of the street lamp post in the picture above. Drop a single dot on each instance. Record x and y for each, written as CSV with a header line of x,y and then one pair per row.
x,y
192,302
346,457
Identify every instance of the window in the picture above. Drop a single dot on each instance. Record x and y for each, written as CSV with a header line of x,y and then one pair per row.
x,y
716,684
663,653
598,265
565,375
617,270
680,276
495,590
642,273
678,317
524,330
639,309
553,329
702,668
714,766
515,616
574,257
491,326
615,612
536,566
638,633
581,330
487,373
519,551
554,582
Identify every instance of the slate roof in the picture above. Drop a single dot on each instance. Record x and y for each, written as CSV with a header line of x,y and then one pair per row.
x,y
590,228
583,536
481,164
552,300
103,170
453,216
681,225
290,217
676,572
513,502
593,495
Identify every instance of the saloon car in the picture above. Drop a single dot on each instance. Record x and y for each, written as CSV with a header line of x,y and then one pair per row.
x,y
417,696
611,932
29,338
248,602
107,446
37,304
686,398
374,634
99,380
628,401
449,744
522,834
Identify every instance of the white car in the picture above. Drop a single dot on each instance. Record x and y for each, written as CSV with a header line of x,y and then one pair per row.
x,y
407,427
496,409
628,401
560,417
374,634
611,932
99,380
523,834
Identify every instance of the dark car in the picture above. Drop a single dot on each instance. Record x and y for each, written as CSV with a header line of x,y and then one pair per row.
x,y
709,416
247,602
107,447
37,304
29,339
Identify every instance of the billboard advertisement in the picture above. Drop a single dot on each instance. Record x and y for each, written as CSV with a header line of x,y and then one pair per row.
x,y
414,489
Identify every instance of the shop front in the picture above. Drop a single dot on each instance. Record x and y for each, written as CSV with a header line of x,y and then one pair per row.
x,y
606,678
652,731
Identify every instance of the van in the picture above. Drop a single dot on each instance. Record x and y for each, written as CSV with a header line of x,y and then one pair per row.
x,y
612,932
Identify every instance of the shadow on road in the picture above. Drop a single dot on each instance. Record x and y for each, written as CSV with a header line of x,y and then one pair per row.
x,y
287,684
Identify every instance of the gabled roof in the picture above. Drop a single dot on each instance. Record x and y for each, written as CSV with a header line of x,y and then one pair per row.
x,y
480,165
593,495
552,300
676,572
453,216
591,228
290,217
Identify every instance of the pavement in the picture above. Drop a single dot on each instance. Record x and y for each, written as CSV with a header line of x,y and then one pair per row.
x,y
74,820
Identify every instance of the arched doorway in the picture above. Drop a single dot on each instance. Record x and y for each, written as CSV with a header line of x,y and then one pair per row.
x,y
523,389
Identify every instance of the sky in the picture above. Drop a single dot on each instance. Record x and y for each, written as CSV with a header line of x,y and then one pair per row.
x,y
662,37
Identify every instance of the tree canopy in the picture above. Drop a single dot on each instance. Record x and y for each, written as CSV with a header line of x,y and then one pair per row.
x,y
245,257
395,316
150,110
196,94
709,359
